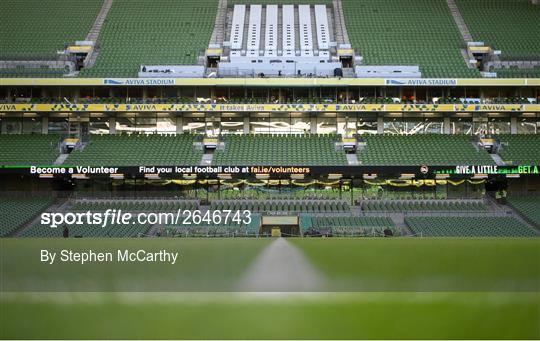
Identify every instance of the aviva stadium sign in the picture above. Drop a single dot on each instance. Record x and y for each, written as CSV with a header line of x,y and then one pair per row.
x,y
140,81
421,82
270,82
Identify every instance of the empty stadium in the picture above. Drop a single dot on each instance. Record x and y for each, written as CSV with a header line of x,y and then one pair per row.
x,y
348,150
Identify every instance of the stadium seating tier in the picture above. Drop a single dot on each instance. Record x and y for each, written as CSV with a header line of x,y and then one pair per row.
x,y
14,212
281,206
44,72
137,150
280,150
135,205
469,227
423,205
428,149
520,149
421,32
348,226
24,150
515,72
510,26
37,29
528,206
157,32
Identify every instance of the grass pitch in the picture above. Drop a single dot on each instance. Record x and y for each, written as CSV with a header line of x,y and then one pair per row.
x,y
408,288
271,316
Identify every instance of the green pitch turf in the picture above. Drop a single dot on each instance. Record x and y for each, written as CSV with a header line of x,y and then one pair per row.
x,y
276,316
203,265
411,288
427,264
374,264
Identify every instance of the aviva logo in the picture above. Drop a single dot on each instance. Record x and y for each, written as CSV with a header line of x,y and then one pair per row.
x,y
142,107
8,107
395,82
501,107
112,82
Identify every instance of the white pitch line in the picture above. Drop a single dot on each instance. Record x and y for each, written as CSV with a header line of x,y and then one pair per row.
x,y
281,267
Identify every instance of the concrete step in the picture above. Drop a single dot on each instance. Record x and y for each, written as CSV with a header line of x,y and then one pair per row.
x,y
460,22
207,159
280,29
60,160
497,159
314,29
91,60
342,37
296,28
466,58
229,24
218,34
331,23
246,29
93,34
352,159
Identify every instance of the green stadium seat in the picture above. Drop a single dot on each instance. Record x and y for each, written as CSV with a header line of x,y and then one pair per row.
x,y
427,149
419,32
15,212
424,205
135,150
280,150
509,26
520,149
282,206
439,226
527,206
37,29
29,150
158,32
348,226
